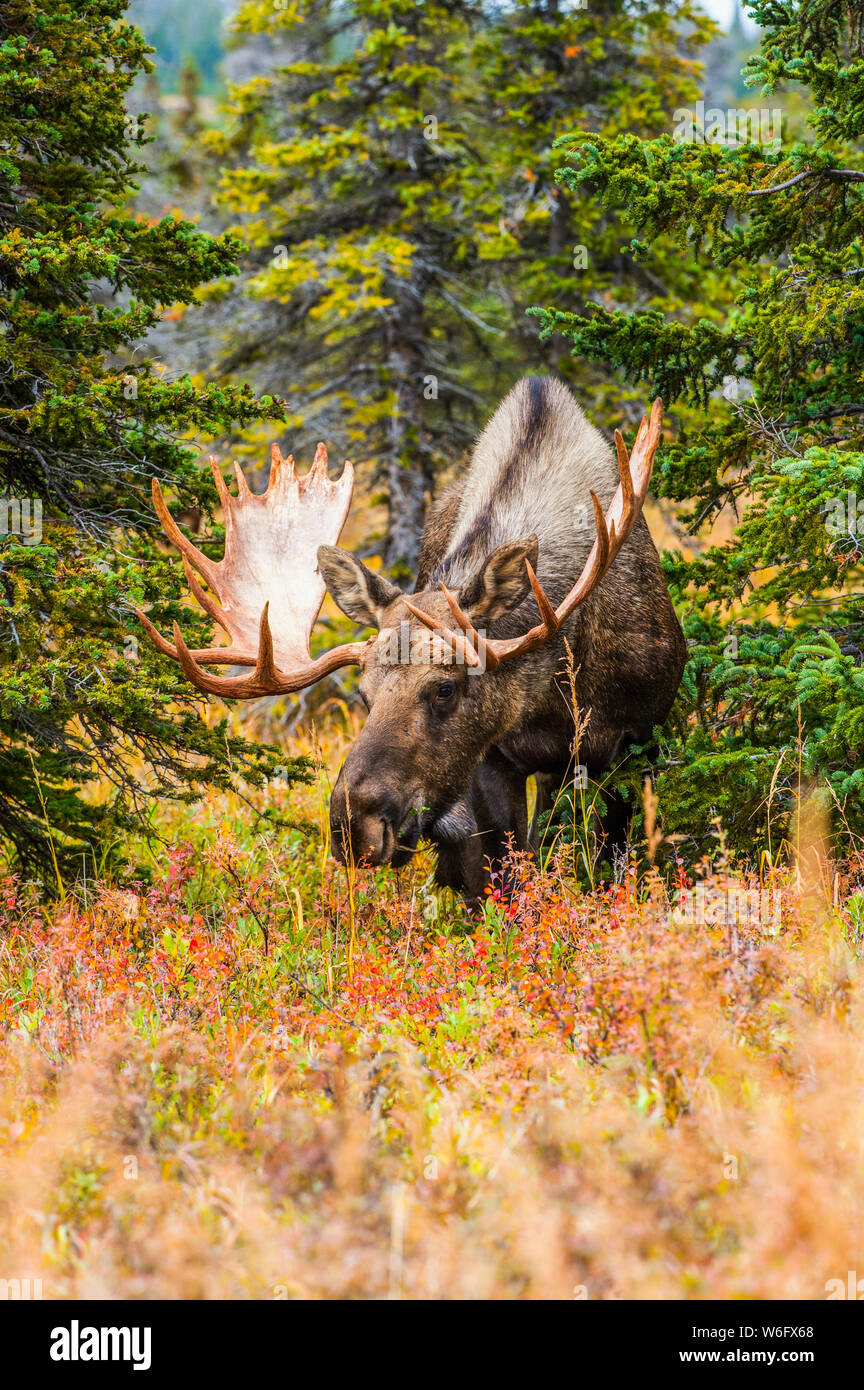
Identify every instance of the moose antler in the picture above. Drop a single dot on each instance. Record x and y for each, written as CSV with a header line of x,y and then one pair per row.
x,y
612,532
267,584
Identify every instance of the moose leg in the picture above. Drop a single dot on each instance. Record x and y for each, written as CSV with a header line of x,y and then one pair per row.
x,y
496,798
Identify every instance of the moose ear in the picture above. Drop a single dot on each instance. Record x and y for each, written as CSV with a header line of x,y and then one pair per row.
x,y
360,594
502,583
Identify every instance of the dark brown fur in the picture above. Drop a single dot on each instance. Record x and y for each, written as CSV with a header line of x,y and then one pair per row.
x,y
455,769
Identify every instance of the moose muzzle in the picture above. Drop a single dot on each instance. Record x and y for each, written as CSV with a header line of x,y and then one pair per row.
x,y
370,820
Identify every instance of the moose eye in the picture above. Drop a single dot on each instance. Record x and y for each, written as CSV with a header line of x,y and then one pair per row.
x,y
443,693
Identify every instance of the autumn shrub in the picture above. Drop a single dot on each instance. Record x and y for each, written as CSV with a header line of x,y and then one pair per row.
x,y
257,1077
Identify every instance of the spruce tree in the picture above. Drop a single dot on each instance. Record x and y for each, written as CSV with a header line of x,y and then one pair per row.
x,y
394,173
546,68
91,722
350,182
770,425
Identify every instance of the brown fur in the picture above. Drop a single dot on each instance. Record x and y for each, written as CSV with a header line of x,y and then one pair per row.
x,y
440,520
454,767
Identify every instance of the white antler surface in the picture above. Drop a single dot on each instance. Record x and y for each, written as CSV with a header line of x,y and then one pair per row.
x,y
268,590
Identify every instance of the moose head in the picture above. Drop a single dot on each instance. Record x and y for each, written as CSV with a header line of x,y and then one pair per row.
x,y
439,690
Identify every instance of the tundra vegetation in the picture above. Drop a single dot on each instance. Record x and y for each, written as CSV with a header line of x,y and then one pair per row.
x,y
234,1067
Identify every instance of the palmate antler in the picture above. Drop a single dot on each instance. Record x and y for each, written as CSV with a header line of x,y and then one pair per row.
x,y
612,532
268,586
269,589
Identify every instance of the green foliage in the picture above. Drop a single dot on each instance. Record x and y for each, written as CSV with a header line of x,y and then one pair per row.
x,y
84,424
353,195
767,378
606,68
394,174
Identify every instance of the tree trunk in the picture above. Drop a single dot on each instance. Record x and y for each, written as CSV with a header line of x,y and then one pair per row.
x,y
407,363
406,476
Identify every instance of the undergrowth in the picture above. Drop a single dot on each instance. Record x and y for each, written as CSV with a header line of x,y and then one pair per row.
x,y
261,1075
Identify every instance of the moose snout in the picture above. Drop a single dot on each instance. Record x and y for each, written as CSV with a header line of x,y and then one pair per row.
x,y
365,822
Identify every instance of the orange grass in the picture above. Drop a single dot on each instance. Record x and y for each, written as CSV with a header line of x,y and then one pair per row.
x,y
580,1095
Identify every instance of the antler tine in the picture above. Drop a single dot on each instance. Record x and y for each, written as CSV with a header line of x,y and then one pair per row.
x,y
231,685
456,639
175,535
612,532
159,642
547,612
244,492
624,467
476,640
319,464
602,541
221,487
266,679
645,448
228,655
278,464
269,566
207,603
462,618
598,562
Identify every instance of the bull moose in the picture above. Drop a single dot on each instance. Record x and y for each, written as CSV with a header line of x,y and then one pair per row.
x,y
480,695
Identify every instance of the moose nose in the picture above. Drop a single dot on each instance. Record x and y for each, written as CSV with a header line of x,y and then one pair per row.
x,y
363,823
